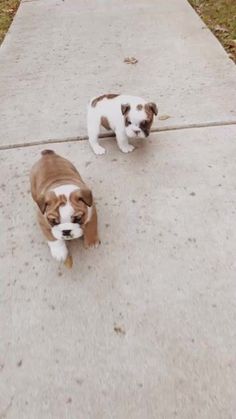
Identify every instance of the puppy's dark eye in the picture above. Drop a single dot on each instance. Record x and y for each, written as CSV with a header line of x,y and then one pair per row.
x,y
77,220
128,122
54,222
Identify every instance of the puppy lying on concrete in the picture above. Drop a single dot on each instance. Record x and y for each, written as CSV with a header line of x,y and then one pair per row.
x,y
66,208
128,116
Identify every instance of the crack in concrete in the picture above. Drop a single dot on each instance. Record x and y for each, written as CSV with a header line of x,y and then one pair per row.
x,y
111,134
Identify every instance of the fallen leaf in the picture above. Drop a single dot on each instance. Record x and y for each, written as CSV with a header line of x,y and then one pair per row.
x,y
8,10
163,117
231,56
219,28
69,400
130,60
119,330
68,262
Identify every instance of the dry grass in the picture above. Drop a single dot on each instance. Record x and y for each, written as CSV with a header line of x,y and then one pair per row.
x,y
220,16
8,9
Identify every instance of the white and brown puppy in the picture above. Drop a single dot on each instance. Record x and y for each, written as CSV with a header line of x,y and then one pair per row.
x,y
128,116
66,208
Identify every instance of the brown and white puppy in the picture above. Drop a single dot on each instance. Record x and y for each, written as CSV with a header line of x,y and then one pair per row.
x,y
66,207
128,116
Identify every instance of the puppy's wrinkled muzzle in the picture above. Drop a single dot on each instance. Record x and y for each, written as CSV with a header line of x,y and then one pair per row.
x,y
67,231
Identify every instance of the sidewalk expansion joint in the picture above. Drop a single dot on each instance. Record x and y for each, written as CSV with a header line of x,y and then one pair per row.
x,y
110,134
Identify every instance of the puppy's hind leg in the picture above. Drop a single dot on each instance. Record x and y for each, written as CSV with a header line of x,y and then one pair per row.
x,y
93,126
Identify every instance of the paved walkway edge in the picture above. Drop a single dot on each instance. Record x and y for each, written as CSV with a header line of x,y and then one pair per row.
x,y
110,134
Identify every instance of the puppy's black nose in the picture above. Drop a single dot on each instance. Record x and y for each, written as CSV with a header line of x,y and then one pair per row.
x,y
136,132
66,232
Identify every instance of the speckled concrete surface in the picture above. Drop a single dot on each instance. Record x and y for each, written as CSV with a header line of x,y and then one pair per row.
x,y
144,326
63,52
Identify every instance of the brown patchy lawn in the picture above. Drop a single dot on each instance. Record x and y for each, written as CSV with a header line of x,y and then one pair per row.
x,y
220,16
8,9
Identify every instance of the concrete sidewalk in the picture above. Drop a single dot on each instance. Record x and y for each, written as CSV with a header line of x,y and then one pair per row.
x,y
62,53
144,326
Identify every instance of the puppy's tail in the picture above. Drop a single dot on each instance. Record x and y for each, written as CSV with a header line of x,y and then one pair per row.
x,y
45,152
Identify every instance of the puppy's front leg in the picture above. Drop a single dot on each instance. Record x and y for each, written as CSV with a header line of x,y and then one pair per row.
x,y
122,141
91,238
58,249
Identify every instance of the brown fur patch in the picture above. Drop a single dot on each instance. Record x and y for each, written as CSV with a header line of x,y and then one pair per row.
x,y
99,98
80,208
52,205
50,171
139,107
45,227
149,112
105,122
91,237
84,194
125,108
44,152
127,122
145,126
150,109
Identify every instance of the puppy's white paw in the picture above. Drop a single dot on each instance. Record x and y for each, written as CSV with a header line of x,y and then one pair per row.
x,y
127,148
58,250
99,150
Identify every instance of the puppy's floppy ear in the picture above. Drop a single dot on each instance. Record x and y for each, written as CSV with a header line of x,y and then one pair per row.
x,y
153,107
125,108
44,200
84,194
41,203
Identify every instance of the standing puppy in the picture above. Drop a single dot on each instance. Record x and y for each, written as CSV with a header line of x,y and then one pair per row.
x,y
128,116
66,208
